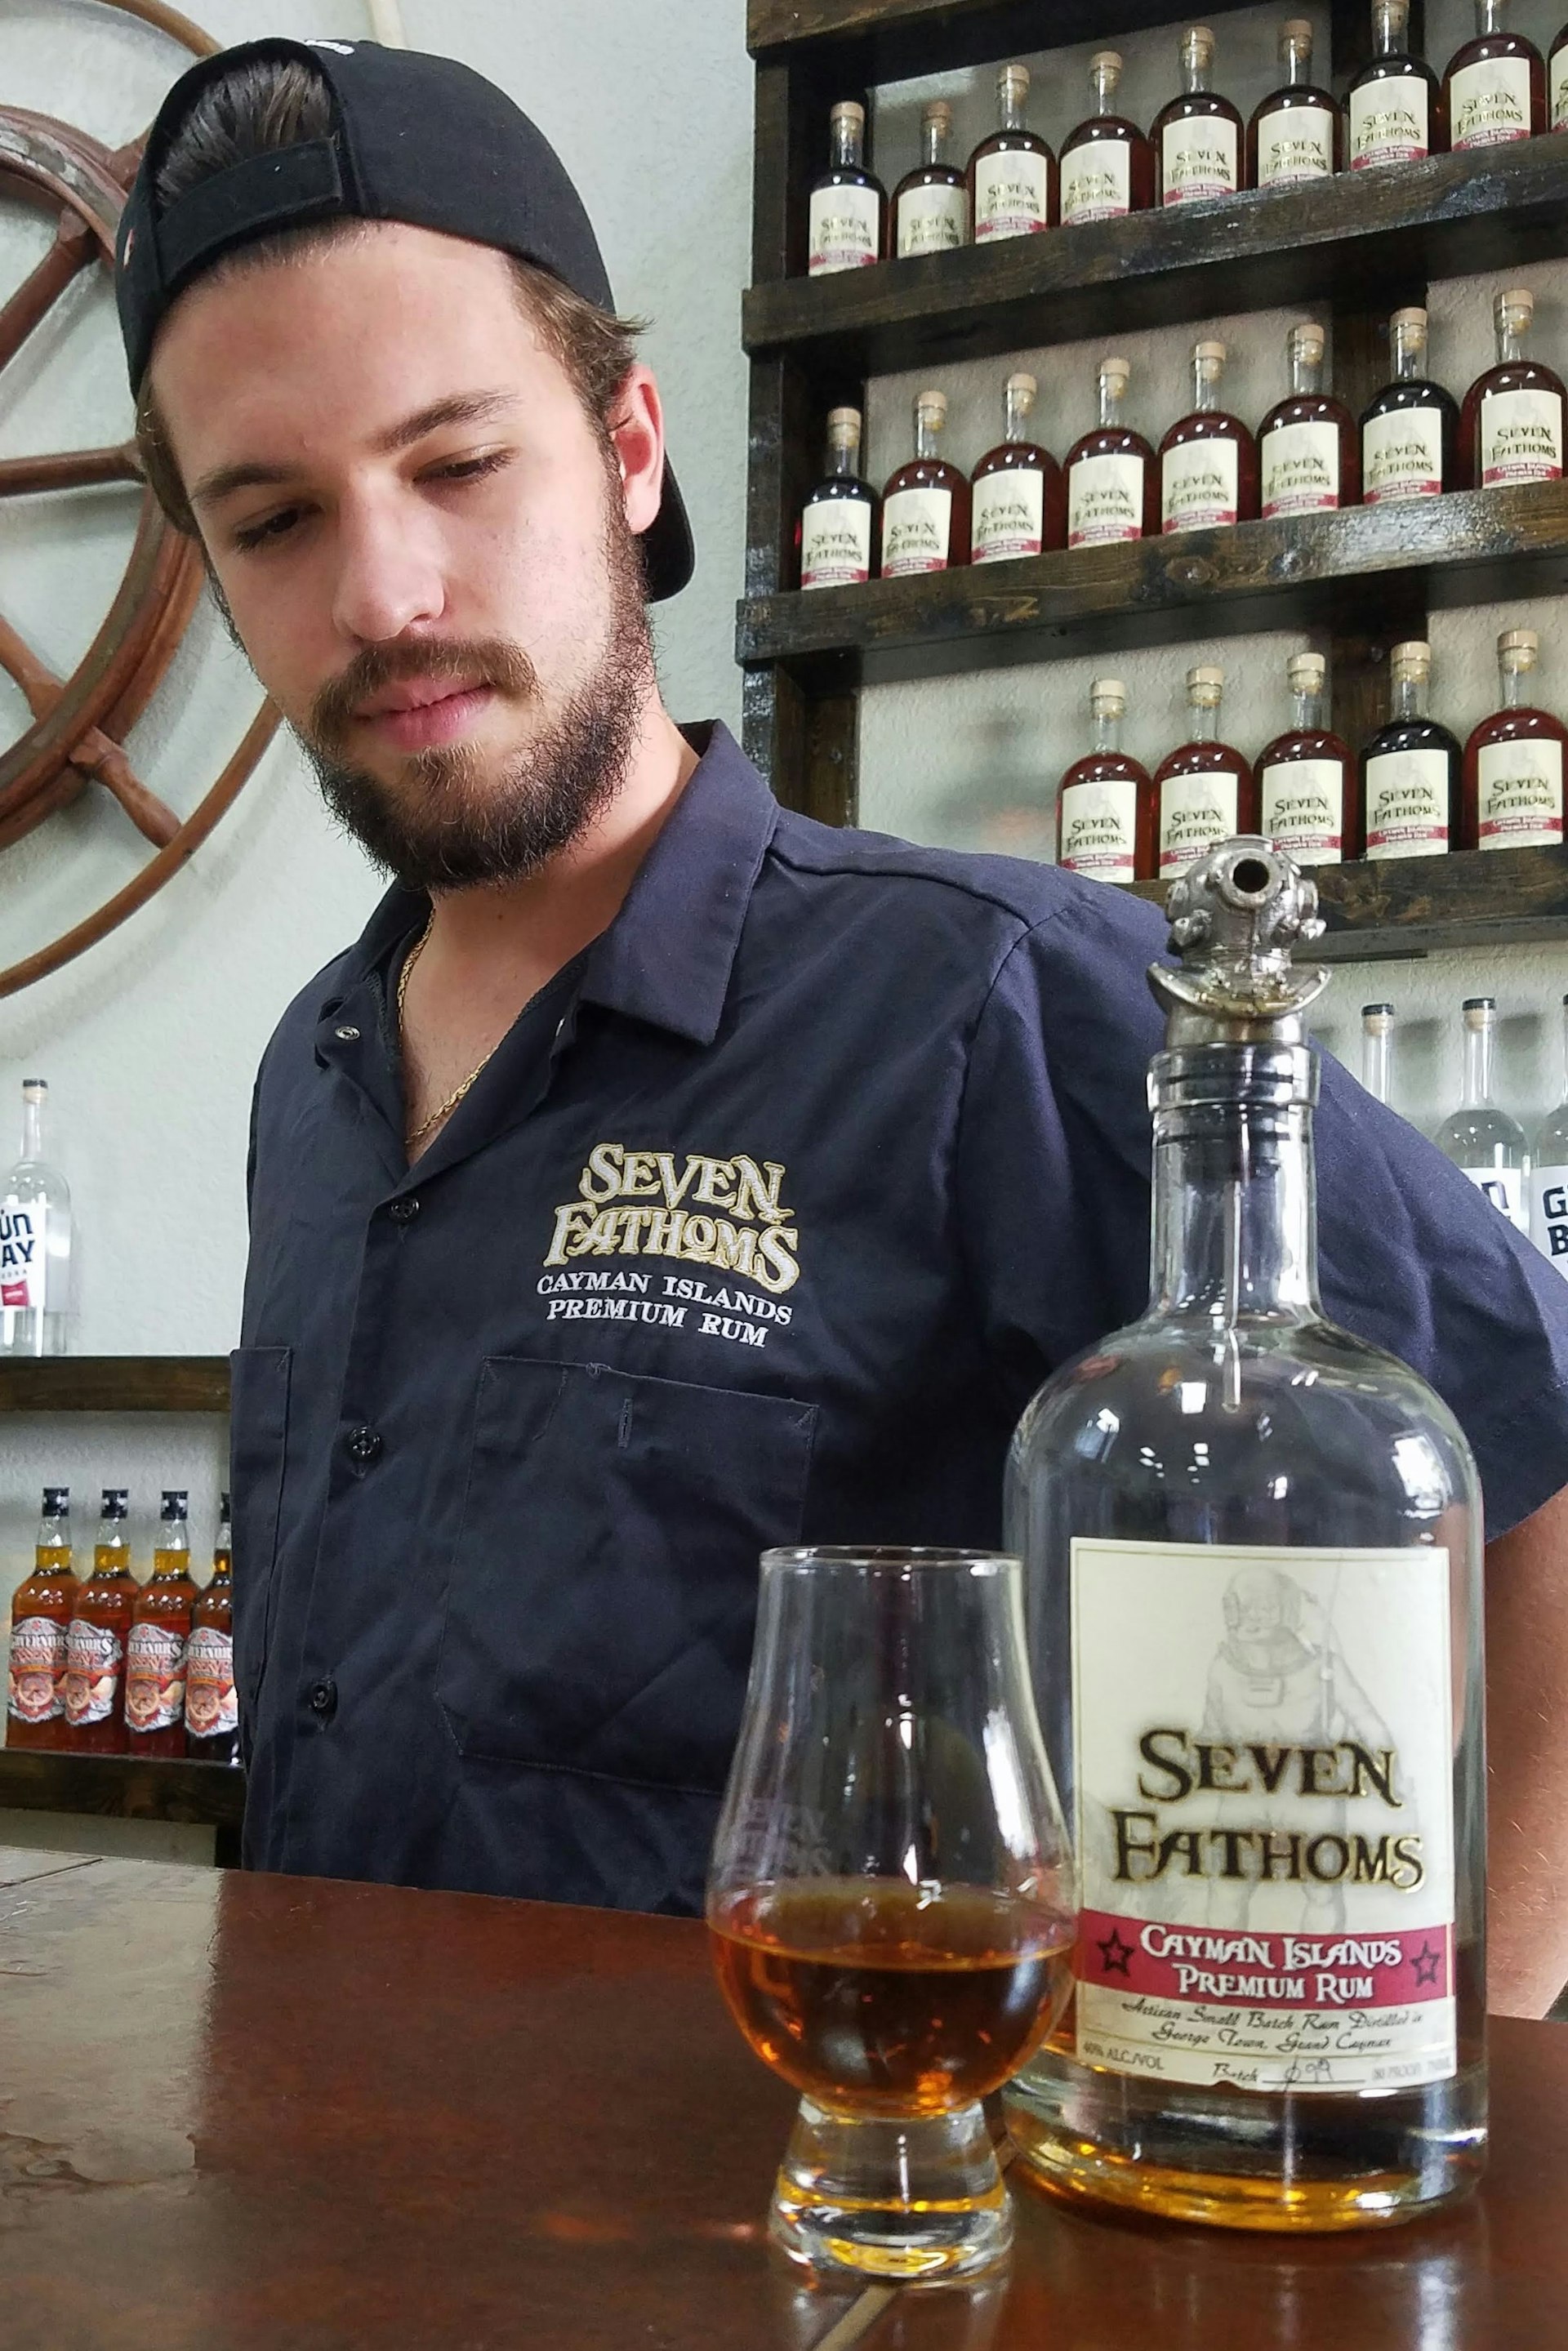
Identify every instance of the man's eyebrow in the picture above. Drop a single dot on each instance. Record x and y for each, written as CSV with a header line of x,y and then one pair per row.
x,y
457,408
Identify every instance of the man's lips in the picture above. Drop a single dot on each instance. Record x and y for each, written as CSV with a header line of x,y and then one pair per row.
x,y
423,712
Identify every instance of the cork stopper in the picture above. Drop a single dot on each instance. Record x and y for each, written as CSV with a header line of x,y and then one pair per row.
x,y
844,428
1308,338
1517,649
1115,372
1296,37
1108,698
1306,672
1514,308
1391,19
1198,46
931,409
1205,684
1012,82
1413,658
1209,354
1105,69
936,114
850,111
1411,324
1022,388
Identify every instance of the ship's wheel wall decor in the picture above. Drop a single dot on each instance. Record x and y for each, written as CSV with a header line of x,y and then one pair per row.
x,y
75,741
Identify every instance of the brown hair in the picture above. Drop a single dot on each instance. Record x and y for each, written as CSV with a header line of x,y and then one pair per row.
x,y
281,102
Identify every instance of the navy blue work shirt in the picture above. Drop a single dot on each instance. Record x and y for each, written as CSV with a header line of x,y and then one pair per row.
x,y
761,1226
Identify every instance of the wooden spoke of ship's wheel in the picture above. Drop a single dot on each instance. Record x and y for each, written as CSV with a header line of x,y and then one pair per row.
x,y
74,246
68,469
92,753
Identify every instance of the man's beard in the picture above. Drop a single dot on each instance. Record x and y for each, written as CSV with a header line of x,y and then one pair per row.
x,y
453,820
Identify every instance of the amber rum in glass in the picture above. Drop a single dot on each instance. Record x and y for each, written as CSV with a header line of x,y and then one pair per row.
x,y
1298,131
1113,479
1513,761
837,522
1204,791
1018,498
1105,807
1197,138
848,222
1410,770
1495,88
1510,429
931,204
1306,778
1208,460
41,1613
1012,175
1107,163
1397,112
1309,451
1410,433
925,504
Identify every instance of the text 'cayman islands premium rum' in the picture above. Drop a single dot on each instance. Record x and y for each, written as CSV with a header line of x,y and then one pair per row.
x,y
1197,138
1105,807
1298,131
848,212
1107,163
1205,792
837,522
1307,781
1018,493
1309,451
1513,761
1012,175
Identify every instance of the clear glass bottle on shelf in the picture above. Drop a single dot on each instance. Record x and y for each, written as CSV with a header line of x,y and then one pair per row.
x,y
1495,87
1479,1136
1106,806
41,1612
1012,174
156,1643
1514,761
96,1637
1204,791
1208,460
1197,138
1410,432
1107,163
1411,768
211,1708
847,228
1557,80
1396,109
1306,778
1112,481
1511,427
1378,1051
925,504
34,1242
1548,1186
931,204
1254,1548
1018,503
1309,450
1297,132
837,522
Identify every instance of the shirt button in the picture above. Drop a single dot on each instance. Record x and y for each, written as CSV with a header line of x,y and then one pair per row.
x,y
364,1445
403,1212
347,1034
322,1700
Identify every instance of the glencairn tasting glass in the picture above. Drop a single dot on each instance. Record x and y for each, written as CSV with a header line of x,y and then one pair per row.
x,y
40,1616
1306,778
96,1637
1107,163
1019,501
1378,1051
1309,451
1197,138
1112,481
1208,460
1298,131
1511,428
1397,112
890,1904
848,212
1513,761
931,204
1012,175
837,522
1410,432
1480,1137
1205,790
1495,88
1254,1552
1105,807
925,505
1549,1177
211,1708
156,1643
34,1242
1410,770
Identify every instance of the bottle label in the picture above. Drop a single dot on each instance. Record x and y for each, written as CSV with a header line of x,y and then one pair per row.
x,y
1389,121
1519,799
1300,468
22,1257
1197,157
211,1705
916,526
36,1691
93,1660
1549,1215
1521,437
1096,182
1402,454
1099,828
1504,1187
1304,809
1012,195
1105,500
932,220
835,543
1197,485
1010,514
844,229
1295,143
1264,1815
154,1678
1560,89
1196,813
1489,103
1407,804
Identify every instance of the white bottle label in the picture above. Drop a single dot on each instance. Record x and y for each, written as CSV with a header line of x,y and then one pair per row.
x,y
1104,500
1402,455
1519,797
23,1236
1012,195
1504,1187
844,229
835,543
212,1705
93,1660
1096,182
1521,437
1009,514
1304,809
931,220
1389,121
1196,813
1489,103
36,1682
1549,1215
916,532
1299,469
1295,143
154,1678
1198,159
1197,485
1407,804
1099,828
1560,89
1264,1815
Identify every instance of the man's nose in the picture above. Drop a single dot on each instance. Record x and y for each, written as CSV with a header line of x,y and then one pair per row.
x,y
389,579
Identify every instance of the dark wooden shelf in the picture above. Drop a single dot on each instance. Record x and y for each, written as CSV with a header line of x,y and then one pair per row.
x,y
893,39
115,1384
128,1787
1409,907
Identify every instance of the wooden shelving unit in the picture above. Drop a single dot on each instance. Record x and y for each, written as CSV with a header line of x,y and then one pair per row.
x,y
115,1384
127,1787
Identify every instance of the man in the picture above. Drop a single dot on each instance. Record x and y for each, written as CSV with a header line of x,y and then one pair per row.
x,y
660,1175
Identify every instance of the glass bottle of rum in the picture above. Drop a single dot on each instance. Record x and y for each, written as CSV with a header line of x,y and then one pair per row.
x,y
931,204
1113,480
1397,112
1410,770
1105,807
837,522
1495,88
1410,433
1107,163
155,1646
1479,1136
1510,429
96,1637
1012,175
1307,779
1513,761
1549,1178
41,1613
925,504
1378,1051
847,227
1198,140
1309,451
212,1707
1204,791
1208,460
1018,502
1298,131
34,1242
1557,81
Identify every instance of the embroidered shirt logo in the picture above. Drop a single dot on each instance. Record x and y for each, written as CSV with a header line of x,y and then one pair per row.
x,y
725,1213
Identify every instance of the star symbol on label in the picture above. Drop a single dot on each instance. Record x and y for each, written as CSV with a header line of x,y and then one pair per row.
x,y
1115,1954
1426,1963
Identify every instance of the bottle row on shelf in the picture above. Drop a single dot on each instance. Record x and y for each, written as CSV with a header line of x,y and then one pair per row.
x,y
1413,792
1210,470
1494,90
105,1664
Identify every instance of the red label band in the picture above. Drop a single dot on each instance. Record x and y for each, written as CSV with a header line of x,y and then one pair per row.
x,y
1305,1969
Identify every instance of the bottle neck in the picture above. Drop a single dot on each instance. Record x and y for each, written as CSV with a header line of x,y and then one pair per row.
x,y
927,434
1112,389
1388,28
849,146
934,142
1512,681
1513,334
1204,720
1409,698
1018,408
1298,62
1376,1057
1233,1229
1107,729
32,1129
1480,1057
1489,16
172,1551
1106,82
1205,381
843,459
1306,369
1410,355
1010,105
1197,76
1311,709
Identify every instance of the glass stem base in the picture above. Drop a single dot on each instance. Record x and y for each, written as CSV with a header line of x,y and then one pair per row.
x,y
905,2200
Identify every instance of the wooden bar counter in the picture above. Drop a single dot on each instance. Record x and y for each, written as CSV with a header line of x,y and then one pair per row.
x,y
255,2112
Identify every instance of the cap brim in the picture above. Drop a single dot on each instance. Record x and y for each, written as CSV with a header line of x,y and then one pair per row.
x,y
669,555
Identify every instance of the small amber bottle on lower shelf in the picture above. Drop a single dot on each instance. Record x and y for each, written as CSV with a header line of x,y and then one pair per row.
x,y
155,1649
95,1640
40,1619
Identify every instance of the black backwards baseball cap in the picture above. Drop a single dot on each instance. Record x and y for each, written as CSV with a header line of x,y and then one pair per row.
x,y
415,138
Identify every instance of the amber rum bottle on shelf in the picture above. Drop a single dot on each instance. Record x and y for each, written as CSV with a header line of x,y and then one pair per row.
x,y
1208,460
1017,499
1410,433
1510,429
155,1646
1307,780
96,1637
1197,138
931,204
1107,163
1410,770
1397,112
1495,88
1557,81
1105,807
848,212
1513,761
212,1707
1298,131
1204,791
837,522
1309,451
1113,480
40,1617
925,504
1012,175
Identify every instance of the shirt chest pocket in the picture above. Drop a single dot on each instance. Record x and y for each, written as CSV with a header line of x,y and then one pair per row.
x,y
603,1596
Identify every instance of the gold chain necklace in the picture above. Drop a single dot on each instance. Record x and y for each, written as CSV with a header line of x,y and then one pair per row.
x,y
455,1096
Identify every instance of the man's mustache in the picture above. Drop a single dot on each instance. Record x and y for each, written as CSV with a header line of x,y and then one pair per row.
x,y
478,661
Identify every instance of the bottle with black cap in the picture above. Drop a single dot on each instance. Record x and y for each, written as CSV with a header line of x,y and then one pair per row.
x,y
40,1619
95,1640
160,1630
212,1707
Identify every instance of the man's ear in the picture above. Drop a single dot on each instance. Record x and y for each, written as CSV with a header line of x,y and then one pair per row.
x,y
637,437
